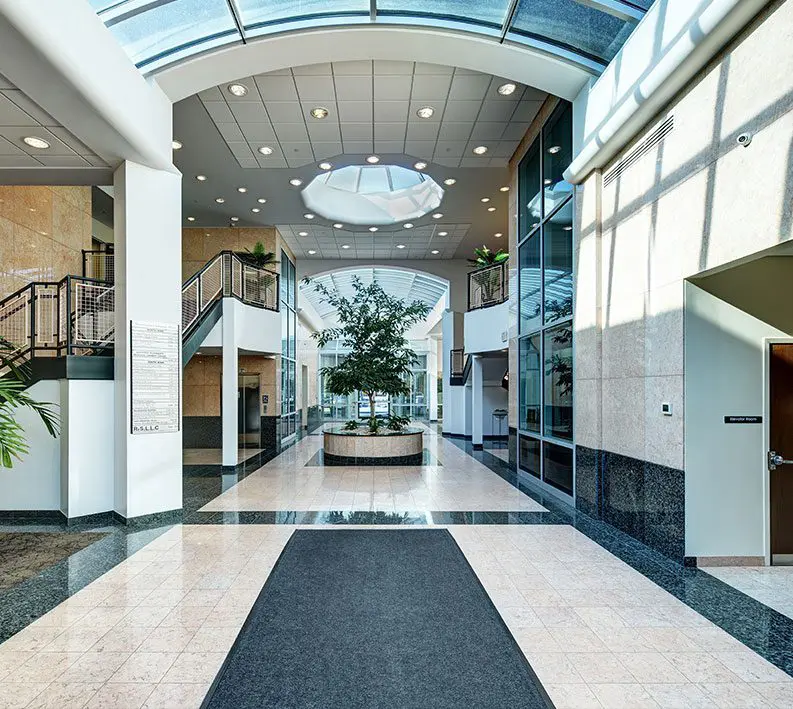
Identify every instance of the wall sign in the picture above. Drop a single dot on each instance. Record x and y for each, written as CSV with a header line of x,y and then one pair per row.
x,y
743,419
155,373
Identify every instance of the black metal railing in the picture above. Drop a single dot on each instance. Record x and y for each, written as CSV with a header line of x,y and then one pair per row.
x,y
487,286
459,366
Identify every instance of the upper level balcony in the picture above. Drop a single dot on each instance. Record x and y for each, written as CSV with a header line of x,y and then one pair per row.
x,y
487,319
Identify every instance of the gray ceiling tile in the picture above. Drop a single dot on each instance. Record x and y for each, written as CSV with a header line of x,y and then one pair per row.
x,y
12,115
231,132
31,108
390,131
299,161
353,68
312,70
455,131
358,147
219,111
248,162
389,147
291,132
213,94
462,111
15,134
76,145
248,112
276,88
497,110
95,161
355,112
284,112
5,83
447,161
297,149
422,68
240,150
63,161
324,132
385,66
532,94
390,88
8,148
499,162
256,132
526,111
421,149
488,131
429,87
469,87
323,151
515,131
391,111
18,161
503,149
474,161
356,131
353,88
422,131
315,88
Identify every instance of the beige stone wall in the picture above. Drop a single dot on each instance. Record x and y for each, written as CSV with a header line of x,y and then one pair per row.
x,y
265,368
199,245
307,356
43,231
697,201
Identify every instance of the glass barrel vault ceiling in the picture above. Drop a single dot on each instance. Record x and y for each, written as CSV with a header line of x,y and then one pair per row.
x,y
156,33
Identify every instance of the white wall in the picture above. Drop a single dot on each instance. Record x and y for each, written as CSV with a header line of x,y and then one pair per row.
x,y
34,483
255,329
487,329
725,466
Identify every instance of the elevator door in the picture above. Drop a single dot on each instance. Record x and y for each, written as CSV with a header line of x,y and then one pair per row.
x,y
781,449
248,417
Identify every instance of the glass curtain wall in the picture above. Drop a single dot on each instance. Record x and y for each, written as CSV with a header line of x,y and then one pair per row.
x,y
288,351
545,305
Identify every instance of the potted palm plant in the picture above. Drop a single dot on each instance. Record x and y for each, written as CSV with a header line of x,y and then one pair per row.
x,y
491,281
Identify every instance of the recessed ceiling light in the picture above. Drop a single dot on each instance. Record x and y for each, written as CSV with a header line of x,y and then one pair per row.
x,y
449,181
311,252
443,233
491,209
176,145
266,150
480,150
256,210
555,149
568,228
437,215
238,89
345,246
325,166
400,246
425,112
407,225
201,178
485,199
373,229
295,182
505,188
34,142
319,112
219,200
373,159
190,219
498,235
435,251
235,219
308,215
302,233
261,200
420,165
242,190
547,181
507,89
337,225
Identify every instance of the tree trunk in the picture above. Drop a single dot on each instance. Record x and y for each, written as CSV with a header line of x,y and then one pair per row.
x,y
372,416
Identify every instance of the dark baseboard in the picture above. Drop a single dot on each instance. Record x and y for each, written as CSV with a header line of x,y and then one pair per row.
x,y
461,436
157,519
494,437
43,516
478,447
99,519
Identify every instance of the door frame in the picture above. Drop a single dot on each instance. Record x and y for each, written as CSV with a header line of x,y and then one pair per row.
x,y
767,342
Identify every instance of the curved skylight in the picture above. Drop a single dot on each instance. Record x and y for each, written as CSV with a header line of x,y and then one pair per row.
x,y
156,33
372,194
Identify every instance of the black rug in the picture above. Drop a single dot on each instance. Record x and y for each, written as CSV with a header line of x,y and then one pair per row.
x,y
374,619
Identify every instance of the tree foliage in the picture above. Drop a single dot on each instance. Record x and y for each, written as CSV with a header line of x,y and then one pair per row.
x,y
372,325
485,257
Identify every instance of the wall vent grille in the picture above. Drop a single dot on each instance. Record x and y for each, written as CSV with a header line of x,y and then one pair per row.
x,y
653,138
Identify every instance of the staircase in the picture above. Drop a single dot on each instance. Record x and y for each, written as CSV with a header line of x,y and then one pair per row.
x,y
68,326
459,367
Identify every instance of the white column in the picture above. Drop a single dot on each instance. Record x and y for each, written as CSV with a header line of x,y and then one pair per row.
x,y
477,400
432,378
229,384
148,271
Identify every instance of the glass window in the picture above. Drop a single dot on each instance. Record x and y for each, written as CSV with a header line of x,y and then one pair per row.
x,y
529,455
529,209
485,12
284,330
558,388
557,466
558,272
530,281
529,390
257,13
557,156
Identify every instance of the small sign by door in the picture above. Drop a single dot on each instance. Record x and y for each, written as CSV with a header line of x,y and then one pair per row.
x,y
743,419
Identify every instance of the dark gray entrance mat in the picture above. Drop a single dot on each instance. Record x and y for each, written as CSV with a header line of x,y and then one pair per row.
x,y
374,619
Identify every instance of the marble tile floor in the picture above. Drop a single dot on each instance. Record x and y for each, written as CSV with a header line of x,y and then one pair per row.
x,y
153,631
771,585
289,482
214,456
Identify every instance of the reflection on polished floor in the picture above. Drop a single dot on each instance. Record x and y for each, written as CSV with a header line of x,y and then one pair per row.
x,y
771,585
214,456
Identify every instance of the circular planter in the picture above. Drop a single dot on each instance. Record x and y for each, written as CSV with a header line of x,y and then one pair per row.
x,y
404,447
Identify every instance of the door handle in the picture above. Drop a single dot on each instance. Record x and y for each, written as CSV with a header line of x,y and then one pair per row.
x,y
775,460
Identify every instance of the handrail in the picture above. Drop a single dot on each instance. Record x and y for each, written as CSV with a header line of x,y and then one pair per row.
x,y
487,286
459,366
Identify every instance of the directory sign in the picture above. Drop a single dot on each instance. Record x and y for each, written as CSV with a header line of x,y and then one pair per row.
x,y
155,373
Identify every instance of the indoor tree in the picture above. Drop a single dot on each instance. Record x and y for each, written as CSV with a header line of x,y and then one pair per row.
x,y
372,325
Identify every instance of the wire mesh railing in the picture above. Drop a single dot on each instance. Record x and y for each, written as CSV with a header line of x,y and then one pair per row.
x,y
487,286
100,264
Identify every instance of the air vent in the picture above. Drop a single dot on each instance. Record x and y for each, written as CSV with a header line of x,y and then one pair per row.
x,y
652,139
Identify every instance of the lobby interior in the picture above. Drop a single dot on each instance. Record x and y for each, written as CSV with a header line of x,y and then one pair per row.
x,y
597,510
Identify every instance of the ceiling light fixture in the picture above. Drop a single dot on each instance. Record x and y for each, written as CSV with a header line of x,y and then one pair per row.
x,y
308,215
435,251
425,112
34,142
302,233
345,246
242,190
325,166
547,181
507,89
400,246
219,200
443,233
568,228
373,229
295,182
261,200
485,199
498,235
420,165
437,215
491,209
266,150
319,112
480,150
337,225
201,178
311,252
373,159
505,188
256,210
407,225
555,149
238,89
176,145
190,219
235,219
449,181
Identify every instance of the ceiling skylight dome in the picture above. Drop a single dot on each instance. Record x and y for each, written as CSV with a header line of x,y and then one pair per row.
x,y
372,194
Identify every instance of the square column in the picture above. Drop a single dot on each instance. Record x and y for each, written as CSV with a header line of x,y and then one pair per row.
x,y
148,294
477,401
229,394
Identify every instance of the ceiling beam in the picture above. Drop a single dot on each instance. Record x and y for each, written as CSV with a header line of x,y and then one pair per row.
x,y
622,10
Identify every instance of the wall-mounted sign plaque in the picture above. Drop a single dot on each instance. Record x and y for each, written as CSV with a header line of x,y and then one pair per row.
x,y
743,419
155,372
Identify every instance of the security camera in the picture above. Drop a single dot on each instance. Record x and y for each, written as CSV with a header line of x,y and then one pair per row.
x,y
744,139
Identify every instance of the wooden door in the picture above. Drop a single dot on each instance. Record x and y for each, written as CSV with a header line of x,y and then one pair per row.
x,y
781,442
